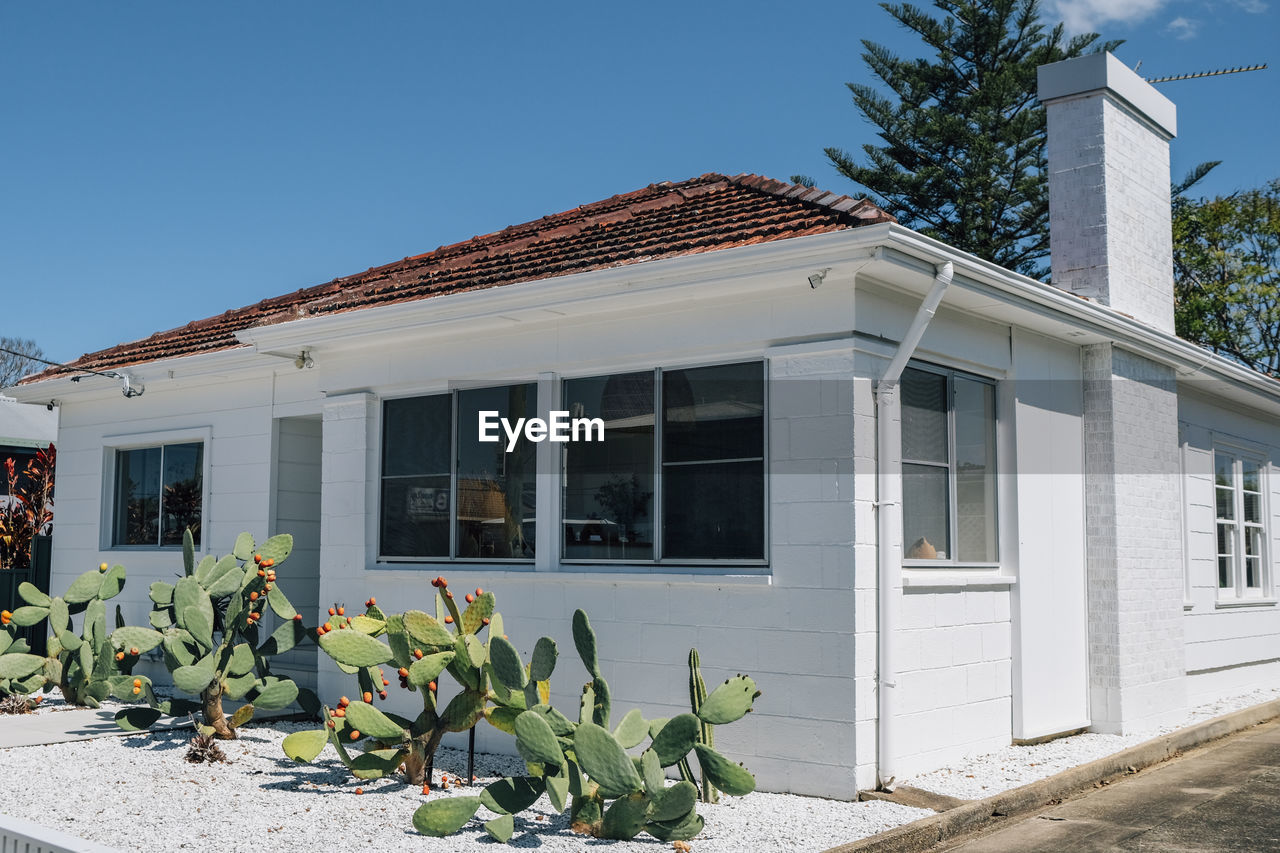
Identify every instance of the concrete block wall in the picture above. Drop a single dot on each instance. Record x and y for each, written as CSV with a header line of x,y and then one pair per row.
x,y
791,626
1134,541
954,675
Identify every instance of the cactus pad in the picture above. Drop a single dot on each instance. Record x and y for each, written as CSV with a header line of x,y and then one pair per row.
x,y
445,816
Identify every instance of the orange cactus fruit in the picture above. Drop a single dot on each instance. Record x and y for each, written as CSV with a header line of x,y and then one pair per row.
x,y
417,653
297,617
385,682
479,592
262,573
382,694
368,698
137,690
470,598
332,724
484,621
403,672
134,651
102,567
137,682
333,612
372,601
119,655
267,587
355,734
342,611
432,687
359,790
253,596
344,702
257,558
448,620
268,562
448,594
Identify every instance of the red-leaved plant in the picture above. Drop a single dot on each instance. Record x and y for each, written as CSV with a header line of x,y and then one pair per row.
x,y
28,509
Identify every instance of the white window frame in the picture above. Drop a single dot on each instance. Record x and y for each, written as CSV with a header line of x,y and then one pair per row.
x,y
953,562
452,394
1239,592
111,447
753,564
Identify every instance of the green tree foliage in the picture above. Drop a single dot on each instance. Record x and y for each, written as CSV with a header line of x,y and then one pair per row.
x,y
1226,265
962,158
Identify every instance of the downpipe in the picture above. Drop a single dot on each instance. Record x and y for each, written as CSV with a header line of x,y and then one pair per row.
x,y
889,526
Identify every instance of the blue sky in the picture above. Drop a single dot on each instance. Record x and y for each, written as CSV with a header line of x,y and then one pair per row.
x,y
163,162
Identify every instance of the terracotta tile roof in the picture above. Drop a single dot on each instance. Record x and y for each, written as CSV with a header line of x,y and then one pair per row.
x,y
662,220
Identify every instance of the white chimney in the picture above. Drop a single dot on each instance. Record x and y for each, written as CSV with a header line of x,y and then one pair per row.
x,y
1108,153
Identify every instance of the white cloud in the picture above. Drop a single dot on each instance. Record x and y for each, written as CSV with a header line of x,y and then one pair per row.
x,y
1182,28
1254,7
1082,16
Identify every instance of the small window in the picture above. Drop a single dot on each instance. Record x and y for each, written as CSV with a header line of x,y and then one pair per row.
x,y
948,467
158,494
680,474
1238,487
447,495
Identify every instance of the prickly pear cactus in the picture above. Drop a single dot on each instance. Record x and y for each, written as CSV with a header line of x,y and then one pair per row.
x,y
421,647
610,794
206,625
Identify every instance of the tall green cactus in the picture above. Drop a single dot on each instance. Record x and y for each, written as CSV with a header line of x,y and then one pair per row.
x,y
206,625
422,647
83,666
610,793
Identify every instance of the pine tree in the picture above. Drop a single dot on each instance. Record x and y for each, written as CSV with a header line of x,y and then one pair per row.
x,y
963,155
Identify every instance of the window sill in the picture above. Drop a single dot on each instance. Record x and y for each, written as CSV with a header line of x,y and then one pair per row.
x,y
734,576
957,581
1234,603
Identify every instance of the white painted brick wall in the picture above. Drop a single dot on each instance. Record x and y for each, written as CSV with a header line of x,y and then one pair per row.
x,y
1109,219
1134,541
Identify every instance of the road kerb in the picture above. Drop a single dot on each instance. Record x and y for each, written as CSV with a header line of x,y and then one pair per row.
x,y
923,834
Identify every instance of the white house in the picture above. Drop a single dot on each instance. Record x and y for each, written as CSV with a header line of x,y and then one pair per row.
x,y
931,505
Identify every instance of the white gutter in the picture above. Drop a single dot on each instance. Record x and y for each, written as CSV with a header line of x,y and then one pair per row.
x,y
889,522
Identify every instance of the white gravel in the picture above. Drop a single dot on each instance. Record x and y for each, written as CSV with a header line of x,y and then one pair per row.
x,y
984,775
139,793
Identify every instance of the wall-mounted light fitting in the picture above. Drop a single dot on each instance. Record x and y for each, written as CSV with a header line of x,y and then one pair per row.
x,y
304,359
819,277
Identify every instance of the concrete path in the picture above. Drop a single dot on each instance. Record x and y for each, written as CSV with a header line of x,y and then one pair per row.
x,y
1221,797
58,725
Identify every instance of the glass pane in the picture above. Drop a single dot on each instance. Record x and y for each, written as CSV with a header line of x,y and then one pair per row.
x,y
1226,503
714,511
1226,569
137,505
924,416
925,513
496,489
975,420
1253,572
1253,507
415,516
608,485
183,492
1251,477
1253,541
416,435
1223,469
1226,538
713,413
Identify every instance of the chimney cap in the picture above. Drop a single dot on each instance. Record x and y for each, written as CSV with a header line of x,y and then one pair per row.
x,y
1095,72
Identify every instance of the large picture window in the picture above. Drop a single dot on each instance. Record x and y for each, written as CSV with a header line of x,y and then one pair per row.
x,y
948,467
446,494
159,492
1241,528
680,474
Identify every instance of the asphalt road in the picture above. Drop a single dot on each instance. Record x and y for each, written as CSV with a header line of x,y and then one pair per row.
x,y
1222,797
